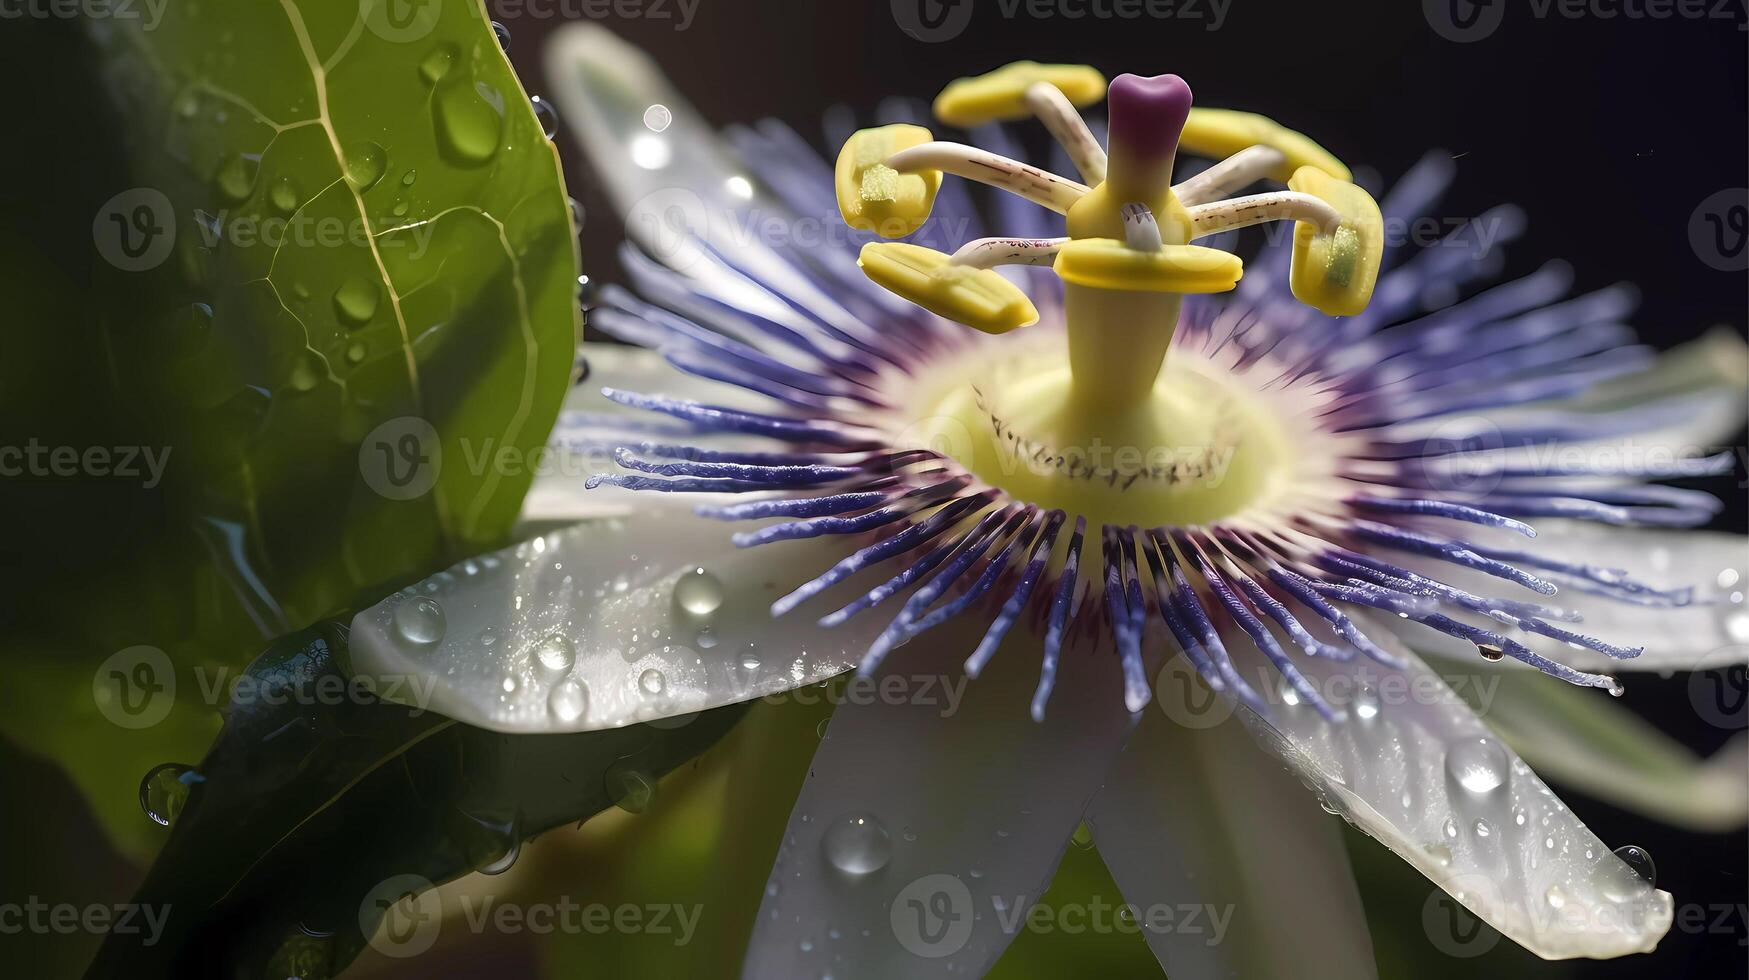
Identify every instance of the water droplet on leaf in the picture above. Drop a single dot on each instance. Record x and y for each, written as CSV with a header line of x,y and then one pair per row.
x,y
858,844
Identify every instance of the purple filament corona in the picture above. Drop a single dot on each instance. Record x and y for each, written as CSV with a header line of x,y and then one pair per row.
x,y
821,338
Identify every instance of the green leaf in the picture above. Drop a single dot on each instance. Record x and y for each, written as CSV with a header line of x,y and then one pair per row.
x,y
315,799
322,272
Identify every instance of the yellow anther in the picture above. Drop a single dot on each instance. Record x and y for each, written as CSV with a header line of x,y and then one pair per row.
x,y
873,196
1335,273
1001,94
978,298
1106,263
1224,132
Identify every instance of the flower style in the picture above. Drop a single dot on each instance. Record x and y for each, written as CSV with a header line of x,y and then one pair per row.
x,y
1272,502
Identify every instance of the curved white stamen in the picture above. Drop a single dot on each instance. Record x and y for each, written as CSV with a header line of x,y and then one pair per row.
x,y
1038,186
1141,232
1066,126
986,253
1255,209
1232,174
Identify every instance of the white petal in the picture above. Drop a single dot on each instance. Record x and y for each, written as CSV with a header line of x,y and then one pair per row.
x,y
1710,632
1415,768
1599,746
682,181
608,590
1235,870
976,803
579,444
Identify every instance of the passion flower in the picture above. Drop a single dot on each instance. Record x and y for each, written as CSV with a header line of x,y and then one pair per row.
x,y
1092,463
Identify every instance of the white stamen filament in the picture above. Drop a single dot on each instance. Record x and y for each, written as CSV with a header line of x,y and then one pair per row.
x,y
1255,209
1141,231
986,253
1038,186
1066,126
1230,175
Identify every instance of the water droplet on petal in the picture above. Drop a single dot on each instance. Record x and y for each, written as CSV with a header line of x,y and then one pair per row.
x,y
164,790
568,700
651,681
1477,765
1366,705
858,844
1483,828
657,118
1490,652
419,621
1440,853
555,652
1640,860
1555,896
697,595
1449,827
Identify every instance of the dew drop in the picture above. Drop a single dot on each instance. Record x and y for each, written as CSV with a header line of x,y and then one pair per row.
x,y
1483,828
1366,705
491,841
436,64
749,661
1490,652
820,729
697,595
356,300
1449,827
568,700
164,790
1083,836
236,178
284,195
1478,765
546,115
503,34
469,119
307,371
355,352
858,844
555,652
1640,860
652,682
577,225
1440,853
365,166
630,787
419,621
1555,897
658,118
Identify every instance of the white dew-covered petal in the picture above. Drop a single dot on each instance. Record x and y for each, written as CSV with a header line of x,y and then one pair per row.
x,y
684,196
1233,869
935,813
604,624
1415,768
1711,631
1600,746
591,424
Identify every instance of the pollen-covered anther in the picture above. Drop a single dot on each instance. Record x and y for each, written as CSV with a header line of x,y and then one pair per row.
x,y
872,194
978,298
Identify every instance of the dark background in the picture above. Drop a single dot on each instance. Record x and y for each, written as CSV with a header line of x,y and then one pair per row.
x,y
1610,131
